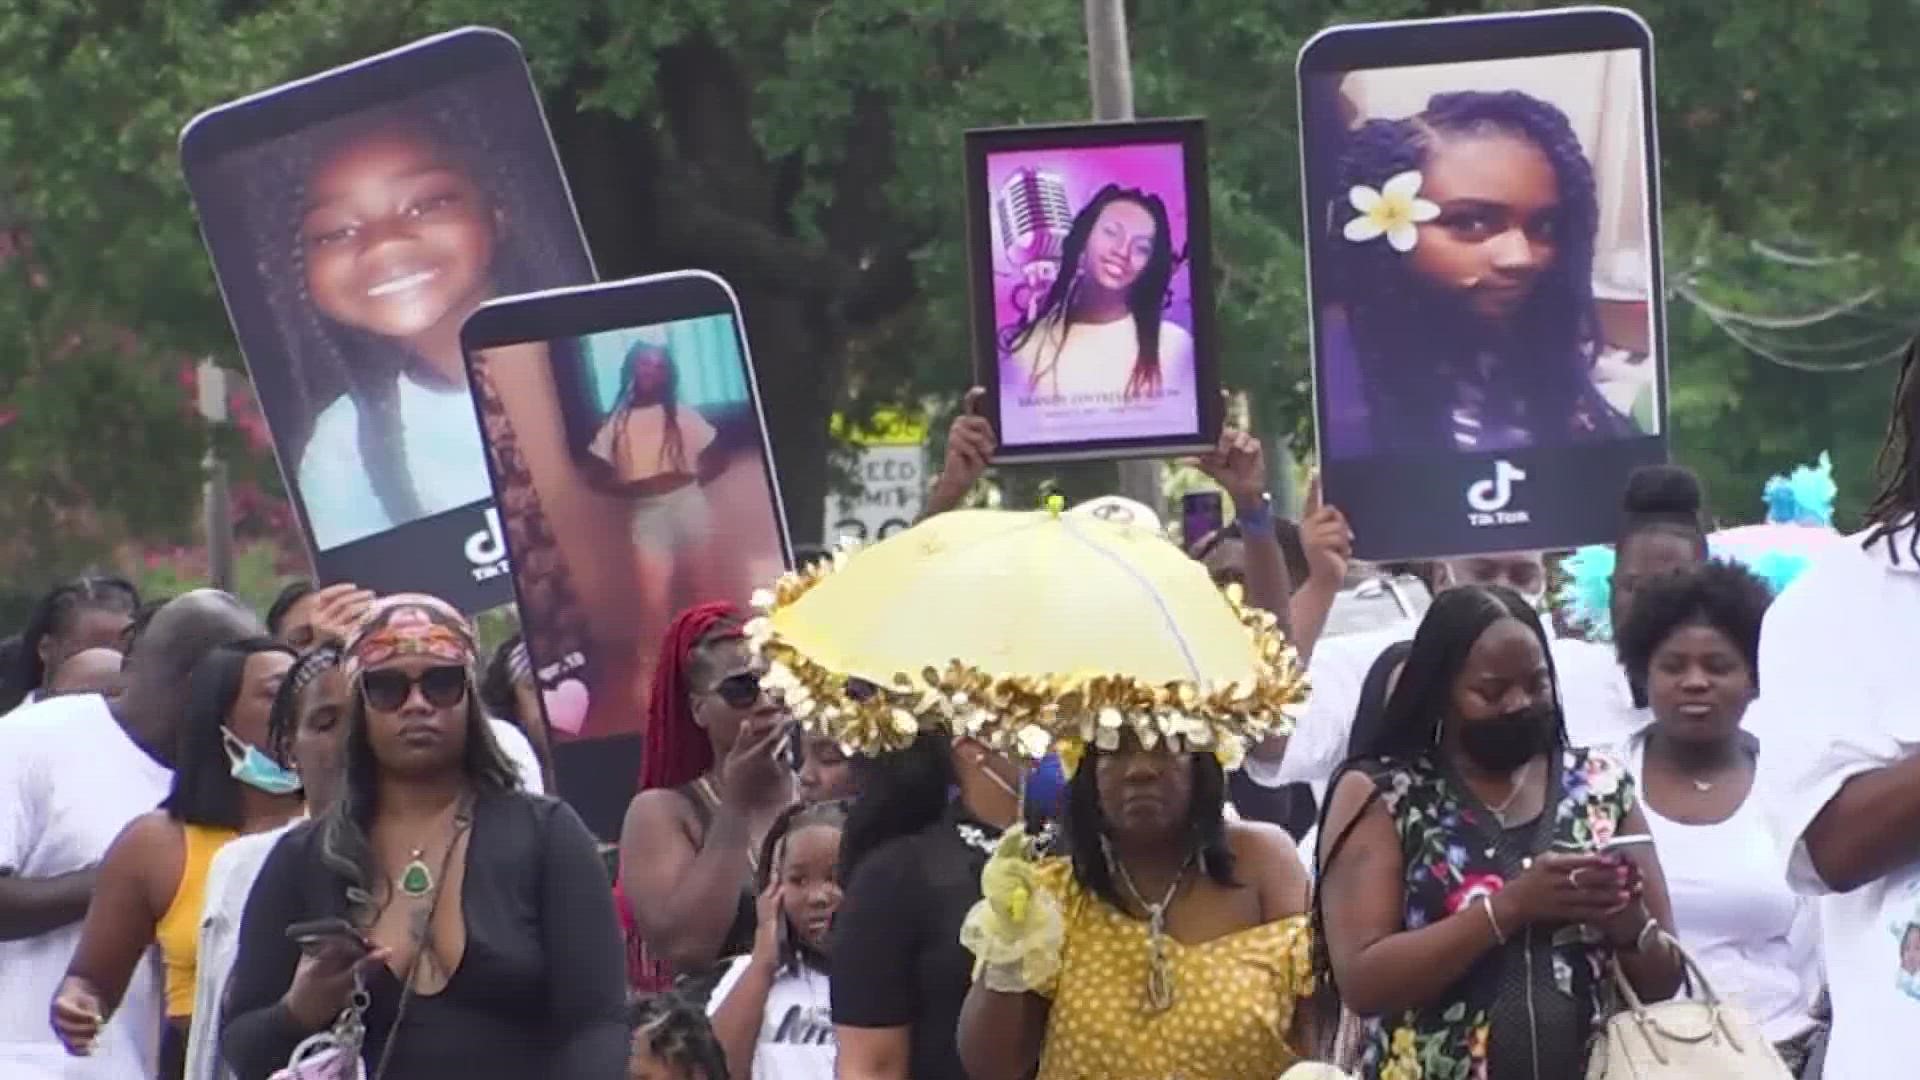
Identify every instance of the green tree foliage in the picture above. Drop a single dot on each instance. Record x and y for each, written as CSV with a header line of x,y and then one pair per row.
x,y
809,150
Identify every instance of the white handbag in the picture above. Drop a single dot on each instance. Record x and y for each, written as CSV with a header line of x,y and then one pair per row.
x,y
1702,1038
333,1054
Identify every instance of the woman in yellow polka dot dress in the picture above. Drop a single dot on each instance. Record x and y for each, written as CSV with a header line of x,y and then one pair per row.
x,y
1170,943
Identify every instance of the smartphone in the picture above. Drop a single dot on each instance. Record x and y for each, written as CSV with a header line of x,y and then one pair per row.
x,y
1412,482
316,934
1033,194
1627,841
1202,513
794,748
465,102
627,443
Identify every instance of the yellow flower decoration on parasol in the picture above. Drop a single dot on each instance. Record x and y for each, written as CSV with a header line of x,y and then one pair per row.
x,y
1030,631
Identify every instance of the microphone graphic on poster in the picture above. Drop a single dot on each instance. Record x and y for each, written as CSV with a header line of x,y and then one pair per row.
x,y
1034,221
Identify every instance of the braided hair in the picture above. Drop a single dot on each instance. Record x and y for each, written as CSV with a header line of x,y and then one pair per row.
x,y
673,447
1409,333
284,719
1146,298
676,1032
677,751
1897,503
327,359
796,818
55,615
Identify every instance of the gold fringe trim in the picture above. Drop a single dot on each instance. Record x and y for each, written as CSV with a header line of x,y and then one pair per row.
x,y
1026,716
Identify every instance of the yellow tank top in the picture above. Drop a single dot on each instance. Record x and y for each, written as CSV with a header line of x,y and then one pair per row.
x,y
179,929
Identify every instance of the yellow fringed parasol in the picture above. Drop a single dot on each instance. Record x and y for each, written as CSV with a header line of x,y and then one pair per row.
x,y
1031,631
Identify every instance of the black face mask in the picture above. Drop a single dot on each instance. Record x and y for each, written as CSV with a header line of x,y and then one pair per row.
x,y
1504,743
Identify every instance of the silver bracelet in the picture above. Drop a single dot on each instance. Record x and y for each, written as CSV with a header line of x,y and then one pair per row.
x,y
1486,905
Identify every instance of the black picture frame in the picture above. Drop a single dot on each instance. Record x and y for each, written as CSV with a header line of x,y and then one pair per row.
x,y
596,774
1189,133
1446,503
457,554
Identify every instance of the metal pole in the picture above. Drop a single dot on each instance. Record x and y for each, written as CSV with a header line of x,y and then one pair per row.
x,y
1109,69
212,382
1110,78
219,523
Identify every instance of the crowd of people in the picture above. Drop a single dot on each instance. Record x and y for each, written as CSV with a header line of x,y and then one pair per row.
x,y
240,846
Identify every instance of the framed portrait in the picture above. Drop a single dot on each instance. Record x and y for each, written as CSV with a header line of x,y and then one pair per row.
x,y
1092,301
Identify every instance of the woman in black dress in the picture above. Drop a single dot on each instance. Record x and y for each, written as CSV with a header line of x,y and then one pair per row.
x,y
475,917
910,860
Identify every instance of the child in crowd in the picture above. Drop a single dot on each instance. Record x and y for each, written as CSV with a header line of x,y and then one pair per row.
x,y
772,1010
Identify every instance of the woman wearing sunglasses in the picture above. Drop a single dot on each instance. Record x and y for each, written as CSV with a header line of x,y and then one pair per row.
x,y
474,916
714,778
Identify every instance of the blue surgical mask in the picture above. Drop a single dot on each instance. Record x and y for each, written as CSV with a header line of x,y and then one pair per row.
x,y
1046,785
257,770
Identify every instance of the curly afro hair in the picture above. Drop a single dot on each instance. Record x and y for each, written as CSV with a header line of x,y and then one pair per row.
x,y
1719,594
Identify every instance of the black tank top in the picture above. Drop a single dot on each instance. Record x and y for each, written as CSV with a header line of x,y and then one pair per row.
x,y
649,973
698,985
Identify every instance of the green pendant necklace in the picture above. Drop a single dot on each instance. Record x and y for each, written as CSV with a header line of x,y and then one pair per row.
x,y
416,880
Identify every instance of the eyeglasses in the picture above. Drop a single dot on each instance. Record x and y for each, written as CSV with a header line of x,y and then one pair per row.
x,y
388,690
739,691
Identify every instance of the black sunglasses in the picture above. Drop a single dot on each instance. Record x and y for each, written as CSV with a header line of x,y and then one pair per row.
x,y
388,690
739,691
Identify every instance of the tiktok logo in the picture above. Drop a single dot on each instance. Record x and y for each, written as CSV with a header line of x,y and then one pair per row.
x,y
1489,498
487,549
1490,495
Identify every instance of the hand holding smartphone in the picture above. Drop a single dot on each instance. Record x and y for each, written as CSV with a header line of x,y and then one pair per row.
x,y
1621,849
317,936
1202,513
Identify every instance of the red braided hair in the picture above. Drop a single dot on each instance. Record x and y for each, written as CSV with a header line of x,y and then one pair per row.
x,y
677,751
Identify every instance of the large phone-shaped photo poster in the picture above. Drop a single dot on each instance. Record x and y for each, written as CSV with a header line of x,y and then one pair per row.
x,y
635,479
1090,274
355,220
1483,236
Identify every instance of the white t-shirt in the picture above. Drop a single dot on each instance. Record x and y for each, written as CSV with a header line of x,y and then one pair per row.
x,y
70,781
1836,675
1755,938
1097,359
445,458
796,1029
519,750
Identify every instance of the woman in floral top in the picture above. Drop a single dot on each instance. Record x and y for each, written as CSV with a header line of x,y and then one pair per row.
x,y
1468,905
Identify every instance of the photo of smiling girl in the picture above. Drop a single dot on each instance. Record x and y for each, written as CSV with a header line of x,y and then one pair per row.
x,y
1090,286
1100,332
1463,318
399,238
353,243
